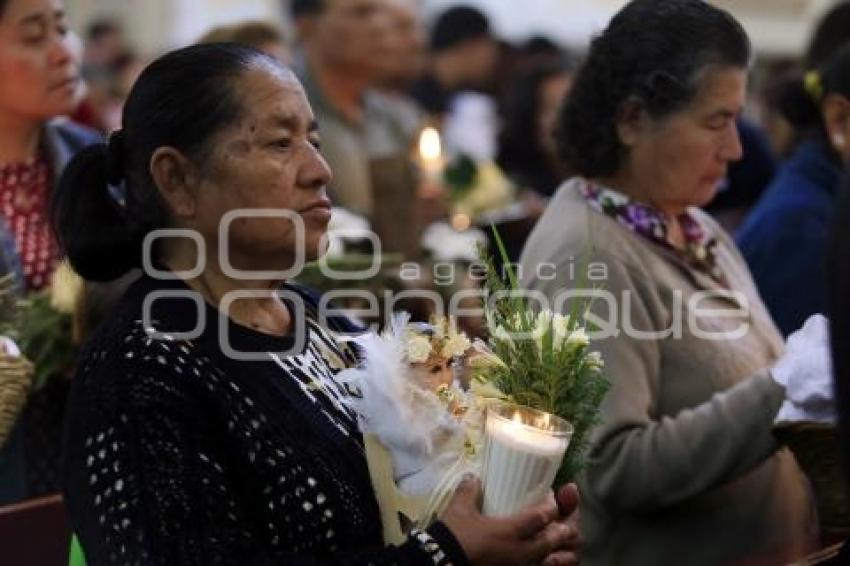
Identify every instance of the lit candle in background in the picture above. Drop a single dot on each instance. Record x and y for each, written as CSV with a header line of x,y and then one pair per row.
x,y
431,154
523,449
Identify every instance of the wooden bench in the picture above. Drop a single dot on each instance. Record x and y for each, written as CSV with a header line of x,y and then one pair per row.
x,y
35,532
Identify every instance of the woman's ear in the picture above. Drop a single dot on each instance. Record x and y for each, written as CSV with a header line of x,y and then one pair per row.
x,y
631,121
835,110
176,178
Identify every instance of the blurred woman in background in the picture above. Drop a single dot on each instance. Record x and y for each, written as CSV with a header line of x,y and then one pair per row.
x,y
784,239
527,149
39,81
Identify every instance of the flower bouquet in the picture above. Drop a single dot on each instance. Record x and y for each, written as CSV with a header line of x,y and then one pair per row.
x,y
547,363
426,390
16,371
42,323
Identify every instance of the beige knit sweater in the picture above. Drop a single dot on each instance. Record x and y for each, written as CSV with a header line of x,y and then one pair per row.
x,y
683,469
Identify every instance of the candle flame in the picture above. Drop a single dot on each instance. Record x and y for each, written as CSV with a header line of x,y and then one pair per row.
x,y
430,146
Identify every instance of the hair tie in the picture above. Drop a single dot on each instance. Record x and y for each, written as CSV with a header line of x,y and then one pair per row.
x,y
813,84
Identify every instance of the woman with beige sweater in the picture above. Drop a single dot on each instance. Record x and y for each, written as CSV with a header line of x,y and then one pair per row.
x,y
683,468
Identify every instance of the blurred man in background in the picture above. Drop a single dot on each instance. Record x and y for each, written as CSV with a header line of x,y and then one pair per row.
x,y
344,49
464,56
408,40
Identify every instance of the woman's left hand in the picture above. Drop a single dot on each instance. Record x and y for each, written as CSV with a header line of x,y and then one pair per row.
x,y
567,498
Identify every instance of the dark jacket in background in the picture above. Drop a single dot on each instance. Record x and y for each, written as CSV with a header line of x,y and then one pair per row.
x,y
784,239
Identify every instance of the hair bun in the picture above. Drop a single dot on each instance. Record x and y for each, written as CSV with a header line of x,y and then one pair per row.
x,y
797,103
97,239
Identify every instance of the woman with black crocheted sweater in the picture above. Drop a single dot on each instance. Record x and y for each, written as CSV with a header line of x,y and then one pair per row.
x,y
206,424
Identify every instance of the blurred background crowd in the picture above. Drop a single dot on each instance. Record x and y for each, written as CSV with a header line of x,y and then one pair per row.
x,y
489,76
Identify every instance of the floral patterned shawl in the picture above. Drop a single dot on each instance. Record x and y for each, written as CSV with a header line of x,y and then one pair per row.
x,y
653,224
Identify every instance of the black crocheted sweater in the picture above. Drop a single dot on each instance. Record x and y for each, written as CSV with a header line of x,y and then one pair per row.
x,y
176,453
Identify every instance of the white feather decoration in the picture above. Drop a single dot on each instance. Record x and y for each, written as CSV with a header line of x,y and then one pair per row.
x,y
422,437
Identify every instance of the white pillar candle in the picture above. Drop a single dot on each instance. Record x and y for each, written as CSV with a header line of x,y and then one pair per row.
x,y
523,449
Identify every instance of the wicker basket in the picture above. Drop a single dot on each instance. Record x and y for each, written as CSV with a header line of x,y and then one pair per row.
x,y
15,381
817,447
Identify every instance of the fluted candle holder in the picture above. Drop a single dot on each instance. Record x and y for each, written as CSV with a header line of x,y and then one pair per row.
x,y
523,449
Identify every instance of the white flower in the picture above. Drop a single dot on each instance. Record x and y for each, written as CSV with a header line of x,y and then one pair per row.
x,y
65,289
518,321
594,361
578,337
418,349
541,327
456,341
544,319
456,346
560,330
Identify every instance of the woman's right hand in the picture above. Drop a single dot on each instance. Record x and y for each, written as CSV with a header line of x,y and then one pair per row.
x,y
531,536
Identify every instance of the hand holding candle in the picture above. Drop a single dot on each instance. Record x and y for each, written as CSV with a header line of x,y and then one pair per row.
x,y
523,449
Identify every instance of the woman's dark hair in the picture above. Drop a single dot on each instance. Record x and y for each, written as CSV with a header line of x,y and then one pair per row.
x,y
800,97
520,152
106,201
653,52
458,25
831,33
299,8
3,7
